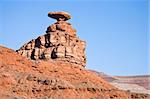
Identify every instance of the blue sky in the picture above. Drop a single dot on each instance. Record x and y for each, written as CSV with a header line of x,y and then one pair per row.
x,y
116,31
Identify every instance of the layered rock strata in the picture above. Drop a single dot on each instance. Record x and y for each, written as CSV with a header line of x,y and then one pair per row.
x,y
59,43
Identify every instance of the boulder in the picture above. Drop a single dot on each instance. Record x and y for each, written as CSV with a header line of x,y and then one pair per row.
x,y
59,15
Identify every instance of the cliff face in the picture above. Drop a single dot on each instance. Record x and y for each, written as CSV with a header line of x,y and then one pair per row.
x,y
59,43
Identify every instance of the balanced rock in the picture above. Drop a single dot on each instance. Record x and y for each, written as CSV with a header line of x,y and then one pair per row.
x,y
58,43
59,15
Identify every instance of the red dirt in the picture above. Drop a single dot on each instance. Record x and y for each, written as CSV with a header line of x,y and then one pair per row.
x,y
21,78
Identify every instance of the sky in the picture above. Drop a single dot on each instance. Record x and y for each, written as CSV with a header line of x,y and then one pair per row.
x,y
116,31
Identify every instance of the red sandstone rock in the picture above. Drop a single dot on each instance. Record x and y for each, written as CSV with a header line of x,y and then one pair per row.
x,y
61,42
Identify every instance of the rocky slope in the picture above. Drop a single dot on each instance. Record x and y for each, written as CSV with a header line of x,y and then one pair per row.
x,y
21,78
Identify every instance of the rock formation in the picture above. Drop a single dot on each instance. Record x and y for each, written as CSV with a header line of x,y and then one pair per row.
x,y
21,78
59,43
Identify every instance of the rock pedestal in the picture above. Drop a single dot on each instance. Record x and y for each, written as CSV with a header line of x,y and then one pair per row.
x,y
59,43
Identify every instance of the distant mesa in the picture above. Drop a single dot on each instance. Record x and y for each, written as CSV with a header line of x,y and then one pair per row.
x,y
59,15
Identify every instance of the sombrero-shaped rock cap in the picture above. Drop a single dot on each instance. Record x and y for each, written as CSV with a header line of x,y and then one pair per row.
x,y
59,15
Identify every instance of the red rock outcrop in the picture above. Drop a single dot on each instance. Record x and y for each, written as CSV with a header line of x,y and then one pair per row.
x,y
59,43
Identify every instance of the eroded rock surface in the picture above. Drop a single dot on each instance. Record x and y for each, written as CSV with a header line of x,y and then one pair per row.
x,y
59,43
